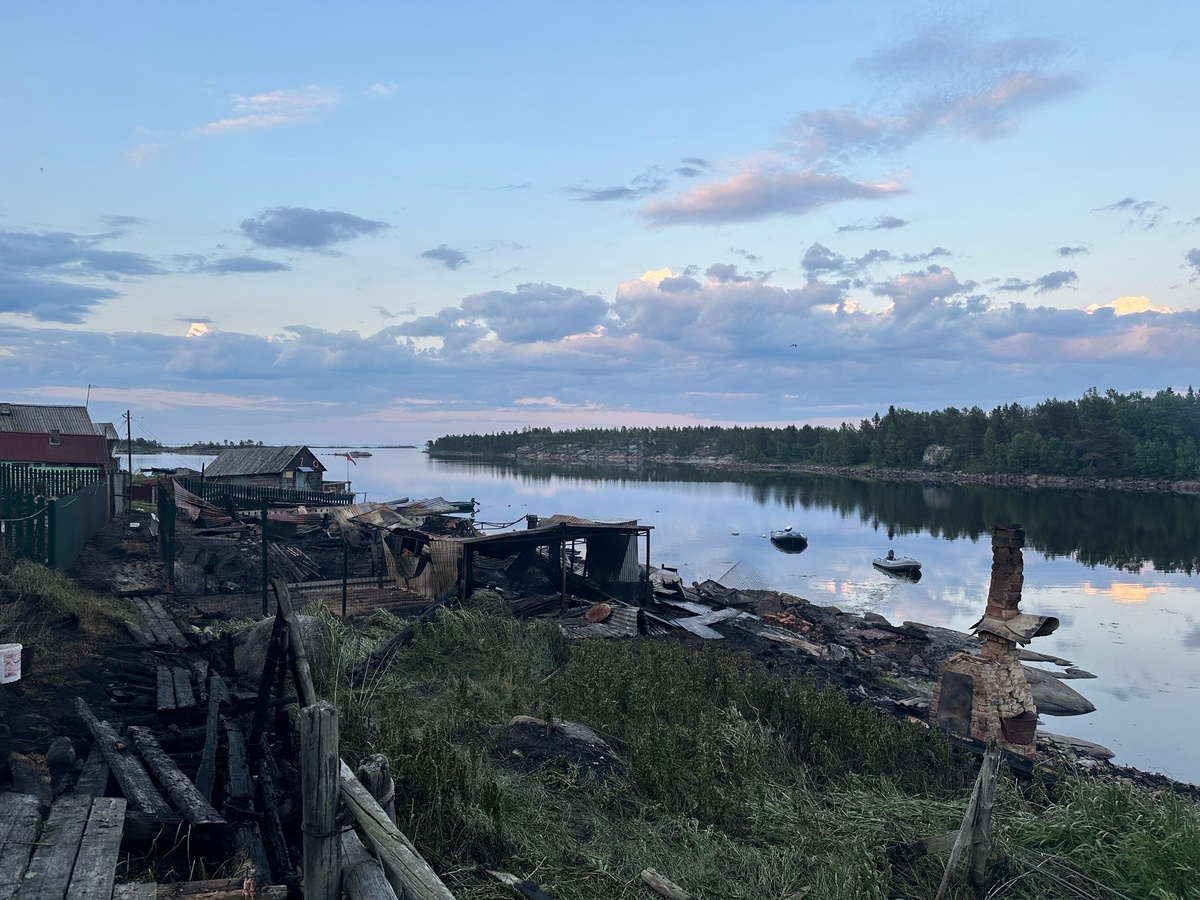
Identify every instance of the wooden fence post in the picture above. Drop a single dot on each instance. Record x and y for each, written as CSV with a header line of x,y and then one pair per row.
x,y
320,768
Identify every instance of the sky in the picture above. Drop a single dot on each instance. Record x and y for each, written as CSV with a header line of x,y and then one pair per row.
x,y
379,223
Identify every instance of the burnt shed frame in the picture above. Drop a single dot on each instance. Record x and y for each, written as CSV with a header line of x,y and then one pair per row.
x,y
559,539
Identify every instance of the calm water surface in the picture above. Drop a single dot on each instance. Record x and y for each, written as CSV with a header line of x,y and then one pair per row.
x,y
1119,571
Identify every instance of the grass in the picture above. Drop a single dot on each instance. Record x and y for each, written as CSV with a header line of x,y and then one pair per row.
x,y
60,625
45,598
738,785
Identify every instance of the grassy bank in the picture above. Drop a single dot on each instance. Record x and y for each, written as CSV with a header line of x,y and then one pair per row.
x,y
735,784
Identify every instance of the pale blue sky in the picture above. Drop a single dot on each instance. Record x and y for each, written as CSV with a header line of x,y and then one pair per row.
x,y
382,223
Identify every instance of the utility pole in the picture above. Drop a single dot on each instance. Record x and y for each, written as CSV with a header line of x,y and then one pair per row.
x,y
129,456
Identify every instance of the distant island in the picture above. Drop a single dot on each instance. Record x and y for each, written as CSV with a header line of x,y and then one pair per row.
x,y
1099,437
206,448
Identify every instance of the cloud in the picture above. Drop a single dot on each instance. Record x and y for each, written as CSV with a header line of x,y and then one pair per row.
x,y
691,167
40,272
763,189
726,272
1143,214
272,108
49,300
934,253
1192,258
537,312
1071,251
379,89
306,229
915,291
144,153
1052,281
944,83
717,348
450,258
239,264
881,223
649,182
1128,306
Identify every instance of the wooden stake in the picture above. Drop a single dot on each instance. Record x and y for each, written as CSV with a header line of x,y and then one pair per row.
x,y
319,773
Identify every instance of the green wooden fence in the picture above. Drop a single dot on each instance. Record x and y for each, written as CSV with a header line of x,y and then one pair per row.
x,y
43,521
46,482
248,496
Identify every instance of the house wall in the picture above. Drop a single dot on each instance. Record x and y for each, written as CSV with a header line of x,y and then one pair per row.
x,y
71,449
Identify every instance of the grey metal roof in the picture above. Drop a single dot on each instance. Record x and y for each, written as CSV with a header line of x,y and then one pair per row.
x,y
252,461
44,419
109,430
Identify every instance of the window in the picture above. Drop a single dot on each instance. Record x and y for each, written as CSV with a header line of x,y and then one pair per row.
x,y
55,438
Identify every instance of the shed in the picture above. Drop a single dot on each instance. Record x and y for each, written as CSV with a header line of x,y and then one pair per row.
x,y
595,560
293,468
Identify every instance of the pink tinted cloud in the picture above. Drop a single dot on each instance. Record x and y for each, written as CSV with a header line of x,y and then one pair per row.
x,y
761,189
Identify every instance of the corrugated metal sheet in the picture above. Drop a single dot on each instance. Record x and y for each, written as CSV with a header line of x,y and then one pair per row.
x,y
259,461
109,430
72,449
431,506
42,419
560,519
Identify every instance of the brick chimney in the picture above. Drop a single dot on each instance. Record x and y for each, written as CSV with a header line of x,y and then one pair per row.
x,y
985,695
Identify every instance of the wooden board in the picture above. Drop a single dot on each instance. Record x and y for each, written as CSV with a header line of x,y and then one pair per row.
x,y
99,851
19,818
49,870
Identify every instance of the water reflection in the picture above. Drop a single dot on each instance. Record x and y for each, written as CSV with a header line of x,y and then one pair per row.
x,y
1137,530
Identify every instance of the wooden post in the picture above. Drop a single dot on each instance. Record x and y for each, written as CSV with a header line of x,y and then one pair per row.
x,y
363,876
266,565
395,852
981,847
319,775
301,673
375,774
975,828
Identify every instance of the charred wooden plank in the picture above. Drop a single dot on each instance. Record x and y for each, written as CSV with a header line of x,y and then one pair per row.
x,y
248,842
185,698
166,689
96,862
271,799
19,818
240,792
206,777
150,623
135,783
184,795
49,870
174,635
93,780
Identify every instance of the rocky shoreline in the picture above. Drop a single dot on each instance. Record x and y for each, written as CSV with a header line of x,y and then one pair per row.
x,y
634,458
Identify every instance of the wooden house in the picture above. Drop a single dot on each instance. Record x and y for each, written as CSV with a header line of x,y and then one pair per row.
x,y
55,438
292,468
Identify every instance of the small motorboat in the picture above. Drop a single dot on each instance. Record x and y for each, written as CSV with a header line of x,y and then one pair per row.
x,y
788,541
903,566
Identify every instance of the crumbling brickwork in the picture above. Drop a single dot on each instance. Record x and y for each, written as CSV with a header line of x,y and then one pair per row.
x,y
986,695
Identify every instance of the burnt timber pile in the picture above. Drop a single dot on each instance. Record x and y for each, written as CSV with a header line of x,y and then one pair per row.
x,y
192,760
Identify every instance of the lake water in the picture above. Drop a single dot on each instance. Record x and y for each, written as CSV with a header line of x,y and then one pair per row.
x,y
1118,570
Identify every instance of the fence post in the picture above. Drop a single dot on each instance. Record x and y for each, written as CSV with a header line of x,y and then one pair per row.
x,y
266,607
320,768
345,569
52,534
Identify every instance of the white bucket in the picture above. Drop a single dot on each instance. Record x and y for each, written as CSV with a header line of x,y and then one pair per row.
x,y
10,663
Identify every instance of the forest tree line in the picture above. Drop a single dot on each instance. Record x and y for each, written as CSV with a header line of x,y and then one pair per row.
x,y
1109,435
